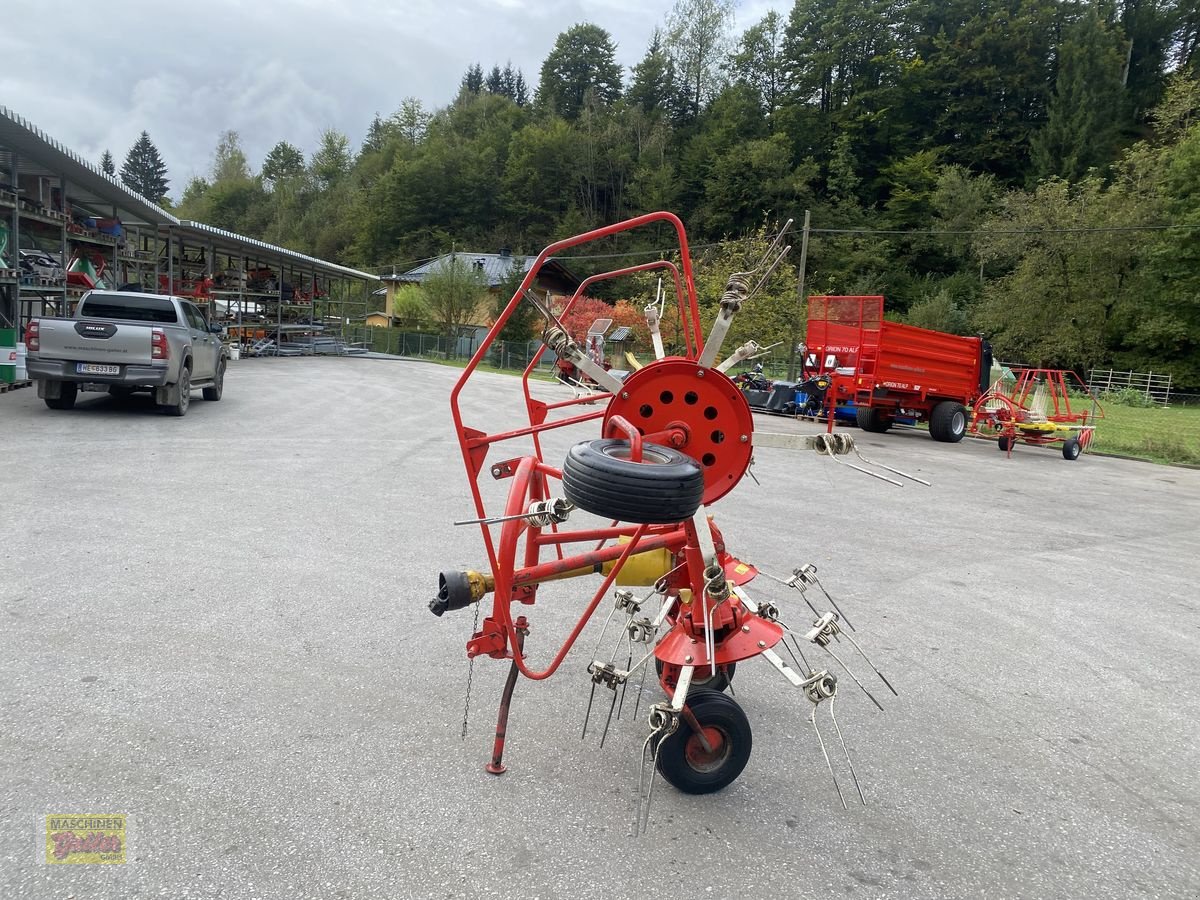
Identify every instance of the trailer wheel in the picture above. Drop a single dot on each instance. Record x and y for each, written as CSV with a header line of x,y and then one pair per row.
x,y
66,396
691,767
948,422
665,487
1072,448
871,419
1005,443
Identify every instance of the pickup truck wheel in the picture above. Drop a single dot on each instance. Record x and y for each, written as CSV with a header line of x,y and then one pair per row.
x,y
948,422
185,394
218,385
68,390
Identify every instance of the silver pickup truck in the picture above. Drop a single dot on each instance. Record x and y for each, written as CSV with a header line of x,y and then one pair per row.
x,y
122,342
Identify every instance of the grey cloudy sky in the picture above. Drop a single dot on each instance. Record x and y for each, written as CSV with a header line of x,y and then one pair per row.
x,y
94,75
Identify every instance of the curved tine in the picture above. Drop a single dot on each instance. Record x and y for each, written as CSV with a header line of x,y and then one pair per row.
x,y
775,265
861,686
812,720
867,659
845,750
608,721
833,603
588,715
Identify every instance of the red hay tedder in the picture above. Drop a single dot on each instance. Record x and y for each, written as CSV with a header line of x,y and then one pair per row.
x,y
665,444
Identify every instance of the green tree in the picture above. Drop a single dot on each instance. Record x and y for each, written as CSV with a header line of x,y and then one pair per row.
x,y
284,161
1065,286
653,87
582,61
229,160
472,81
107,166
760,62
410,306
332,160
1087,107
525,320
411,120
144,171
453,292
698,40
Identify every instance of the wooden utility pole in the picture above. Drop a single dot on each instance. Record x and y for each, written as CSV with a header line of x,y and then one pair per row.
x,y
794,336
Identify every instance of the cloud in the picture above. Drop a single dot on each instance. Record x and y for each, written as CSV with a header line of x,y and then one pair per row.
x,y
276,70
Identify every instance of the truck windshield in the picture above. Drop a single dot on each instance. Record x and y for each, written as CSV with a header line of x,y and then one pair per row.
x,y
136,309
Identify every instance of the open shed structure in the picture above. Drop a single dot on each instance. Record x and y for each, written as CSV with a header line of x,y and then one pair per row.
x,y
75,227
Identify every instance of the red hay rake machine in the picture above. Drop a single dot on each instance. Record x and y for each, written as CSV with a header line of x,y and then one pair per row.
x,y
671,440
1036,409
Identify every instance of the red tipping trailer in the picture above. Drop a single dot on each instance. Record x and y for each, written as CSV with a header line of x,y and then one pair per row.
x,y
893,371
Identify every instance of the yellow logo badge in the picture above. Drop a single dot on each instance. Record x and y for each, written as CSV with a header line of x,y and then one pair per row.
x,y
78,839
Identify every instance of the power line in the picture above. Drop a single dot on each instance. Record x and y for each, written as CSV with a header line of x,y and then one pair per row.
x,y
912,232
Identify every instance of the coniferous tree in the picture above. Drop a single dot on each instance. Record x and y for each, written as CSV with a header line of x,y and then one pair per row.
x,y
653,88
107,166
1085,110
520,90
472,82
494,83
144,171
583,60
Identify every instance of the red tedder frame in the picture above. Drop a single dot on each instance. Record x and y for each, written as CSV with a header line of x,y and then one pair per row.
x,y
713,425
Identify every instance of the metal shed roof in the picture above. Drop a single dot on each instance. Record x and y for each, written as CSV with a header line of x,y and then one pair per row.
x,y
226,240
39,154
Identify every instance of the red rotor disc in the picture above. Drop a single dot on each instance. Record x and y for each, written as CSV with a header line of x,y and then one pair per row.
x,y
703,404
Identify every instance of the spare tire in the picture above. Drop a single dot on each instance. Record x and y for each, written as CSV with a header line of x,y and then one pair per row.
x,y
666,486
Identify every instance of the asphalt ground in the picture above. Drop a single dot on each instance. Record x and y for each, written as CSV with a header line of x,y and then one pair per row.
x,y
217,626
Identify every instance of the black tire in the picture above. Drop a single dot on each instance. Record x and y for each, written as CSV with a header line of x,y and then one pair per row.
x,y
1072,448
872,420
1005,443
702,679
685,763
666,486
68,391
214,392
948,422
185,394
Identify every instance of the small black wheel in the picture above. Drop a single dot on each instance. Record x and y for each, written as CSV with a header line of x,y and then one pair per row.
x,y
702,678
948,422
1005,443
691,767
185,394
666,486
67,393
1072,448
214,392
871,419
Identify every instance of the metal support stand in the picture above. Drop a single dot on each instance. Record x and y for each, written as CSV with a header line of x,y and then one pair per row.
x,y
496,766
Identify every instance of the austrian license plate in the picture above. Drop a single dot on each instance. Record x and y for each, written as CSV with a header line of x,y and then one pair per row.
x,y
96,369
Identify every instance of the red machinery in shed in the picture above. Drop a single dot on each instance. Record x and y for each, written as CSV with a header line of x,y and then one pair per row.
x,y
669,440
894,371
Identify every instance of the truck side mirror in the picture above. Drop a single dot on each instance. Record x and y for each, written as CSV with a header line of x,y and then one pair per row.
x,y
215,328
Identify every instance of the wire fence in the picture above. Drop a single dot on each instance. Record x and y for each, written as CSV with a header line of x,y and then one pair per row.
x,y
514,355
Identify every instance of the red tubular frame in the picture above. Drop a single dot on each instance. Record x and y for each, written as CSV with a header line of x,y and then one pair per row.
x,y
517,572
